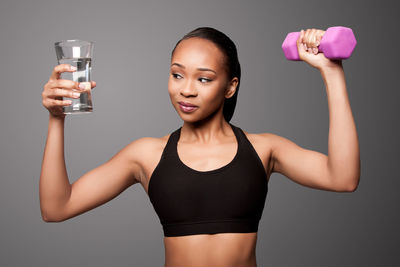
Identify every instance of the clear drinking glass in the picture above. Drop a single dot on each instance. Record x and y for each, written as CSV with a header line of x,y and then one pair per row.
x,y
77,53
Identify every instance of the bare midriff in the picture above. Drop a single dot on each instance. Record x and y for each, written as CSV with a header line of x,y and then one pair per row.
x,y
217,250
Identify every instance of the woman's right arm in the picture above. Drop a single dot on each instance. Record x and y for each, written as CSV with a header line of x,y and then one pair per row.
x,y
60,200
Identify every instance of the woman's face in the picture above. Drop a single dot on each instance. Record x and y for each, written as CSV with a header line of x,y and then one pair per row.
x,y
198,77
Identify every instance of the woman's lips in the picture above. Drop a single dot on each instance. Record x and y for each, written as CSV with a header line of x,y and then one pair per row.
x,y
187,104
187,107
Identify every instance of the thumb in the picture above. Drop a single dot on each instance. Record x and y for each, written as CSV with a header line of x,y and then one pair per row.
x,y
301,49
93,84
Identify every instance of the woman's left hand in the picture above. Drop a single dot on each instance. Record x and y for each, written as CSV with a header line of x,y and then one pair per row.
x,y
307,46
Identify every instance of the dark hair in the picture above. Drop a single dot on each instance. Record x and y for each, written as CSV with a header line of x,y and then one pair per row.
x,y
228,48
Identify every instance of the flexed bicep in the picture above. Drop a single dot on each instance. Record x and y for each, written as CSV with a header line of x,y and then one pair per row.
x,y
303,166
106,181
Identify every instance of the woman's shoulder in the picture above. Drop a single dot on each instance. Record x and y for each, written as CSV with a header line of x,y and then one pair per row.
x,y
263,143
263,137
144,149
148,145
141,153
268,140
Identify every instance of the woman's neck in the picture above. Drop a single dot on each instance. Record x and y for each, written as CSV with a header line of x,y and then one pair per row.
x,y
206,131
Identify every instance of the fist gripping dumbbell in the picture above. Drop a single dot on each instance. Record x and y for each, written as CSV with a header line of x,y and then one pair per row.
x,y
336,43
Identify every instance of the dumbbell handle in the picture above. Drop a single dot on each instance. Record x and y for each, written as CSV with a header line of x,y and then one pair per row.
x,y
336,43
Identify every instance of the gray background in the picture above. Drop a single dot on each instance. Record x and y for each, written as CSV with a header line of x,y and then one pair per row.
x,y
133,40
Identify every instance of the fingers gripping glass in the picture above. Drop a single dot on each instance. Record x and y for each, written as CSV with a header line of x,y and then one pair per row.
x,y
77,53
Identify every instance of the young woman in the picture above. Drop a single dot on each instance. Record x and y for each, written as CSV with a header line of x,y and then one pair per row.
x,y
208,179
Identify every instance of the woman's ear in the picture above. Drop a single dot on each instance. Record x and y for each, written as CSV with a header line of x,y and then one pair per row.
x,y
231,88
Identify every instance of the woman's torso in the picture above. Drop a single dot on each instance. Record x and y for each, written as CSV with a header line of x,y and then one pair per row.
x,y
221,249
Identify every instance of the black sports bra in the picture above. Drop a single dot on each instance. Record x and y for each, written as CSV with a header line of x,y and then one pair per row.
x,y
229,199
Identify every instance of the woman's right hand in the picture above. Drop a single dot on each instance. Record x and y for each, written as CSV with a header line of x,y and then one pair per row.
x,y
55,89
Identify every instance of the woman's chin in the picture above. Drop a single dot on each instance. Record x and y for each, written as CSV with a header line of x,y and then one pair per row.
x,y
189,118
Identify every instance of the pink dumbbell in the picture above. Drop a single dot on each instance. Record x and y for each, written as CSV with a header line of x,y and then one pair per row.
x,y
336,43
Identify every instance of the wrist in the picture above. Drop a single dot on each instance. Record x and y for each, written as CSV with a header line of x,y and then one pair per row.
x,y
334,68
53,117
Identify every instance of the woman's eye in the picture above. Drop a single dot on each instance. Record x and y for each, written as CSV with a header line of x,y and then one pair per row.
x,y
176,76
204,80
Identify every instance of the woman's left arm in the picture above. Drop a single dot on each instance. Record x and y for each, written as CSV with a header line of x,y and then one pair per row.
x,y
340,170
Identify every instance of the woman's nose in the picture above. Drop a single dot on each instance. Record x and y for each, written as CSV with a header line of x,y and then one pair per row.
x,y
188,89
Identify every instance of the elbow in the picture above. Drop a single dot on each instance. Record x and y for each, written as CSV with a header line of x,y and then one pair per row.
x,y
52,213
51,220
346,181
350,185
46,217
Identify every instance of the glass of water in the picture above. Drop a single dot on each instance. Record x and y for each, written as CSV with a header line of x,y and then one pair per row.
x,y
77,53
